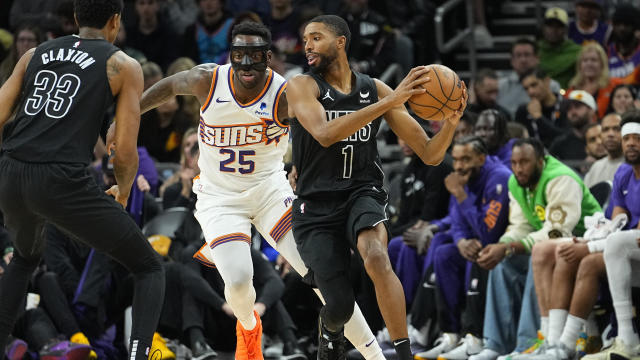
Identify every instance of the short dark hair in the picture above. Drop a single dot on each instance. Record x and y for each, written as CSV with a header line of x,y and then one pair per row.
x,y
524,41
534,142
484,74
337,25
591,125
469,117
630,116
478,145
252,28
96,13
537,72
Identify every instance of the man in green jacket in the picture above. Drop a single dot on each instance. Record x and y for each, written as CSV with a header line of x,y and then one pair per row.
x,y
546,200
557,53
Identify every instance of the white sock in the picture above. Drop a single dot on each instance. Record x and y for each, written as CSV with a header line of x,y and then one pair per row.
x,y
591,327
544,326
571,332
624,314
557,318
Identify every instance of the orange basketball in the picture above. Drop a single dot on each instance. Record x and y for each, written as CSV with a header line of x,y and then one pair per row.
x,y
442,97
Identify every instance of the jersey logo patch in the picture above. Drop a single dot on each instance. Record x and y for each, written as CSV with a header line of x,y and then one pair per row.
x,y
328,95
267,131
77,43
364,98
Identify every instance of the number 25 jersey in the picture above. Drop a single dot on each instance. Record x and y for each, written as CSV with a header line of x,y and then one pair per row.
x,y
64,100
240,144
349,164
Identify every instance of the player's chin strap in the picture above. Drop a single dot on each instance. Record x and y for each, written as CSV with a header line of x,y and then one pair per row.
x,y
630,128
247,63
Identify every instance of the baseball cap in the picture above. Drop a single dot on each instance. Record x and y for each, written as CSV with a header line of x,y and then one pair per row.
x,y
583,97
558,14
596,3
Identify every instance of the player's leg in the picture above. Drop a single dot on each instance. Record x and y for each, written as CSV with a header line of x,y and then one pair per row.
x,y
564,275
76,205
622,255
276,214
543,262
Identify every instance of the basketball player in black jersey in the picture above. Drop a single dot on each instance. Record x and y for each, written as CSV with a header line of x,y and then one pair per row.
x,y
335,116
60,92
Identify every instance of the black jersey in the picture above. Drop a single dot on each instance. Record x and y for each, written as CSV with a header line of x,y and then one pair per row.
x,y
65,94
349,164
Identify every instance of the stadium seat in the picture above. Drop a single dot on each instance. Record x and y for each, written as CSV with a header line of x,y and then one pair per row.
x,y
166,223
601,192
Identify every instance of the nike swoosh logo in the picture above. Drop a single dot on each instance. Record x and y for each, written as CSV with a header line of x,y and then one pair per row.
x,y
222,101
399,342
369,344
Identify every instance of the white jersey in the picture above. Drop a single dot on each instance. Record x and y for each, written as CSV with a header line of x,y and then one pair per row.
x,y
240,144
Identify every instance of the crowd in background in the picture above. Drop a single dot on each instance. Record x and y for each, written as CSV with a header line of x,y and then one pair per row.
x,y
454,227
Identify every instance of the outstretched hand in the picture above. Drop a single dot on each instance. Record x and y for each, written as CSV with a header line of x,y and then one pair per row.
x,y
410,85
454,118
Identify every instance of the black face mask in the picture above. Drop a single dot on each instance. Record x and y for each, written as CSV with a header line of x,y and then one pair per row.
x,y
249,58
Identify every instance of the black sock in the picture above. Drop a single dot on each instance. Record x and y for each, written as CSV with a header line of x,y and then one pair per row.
x,y
196,335
403,349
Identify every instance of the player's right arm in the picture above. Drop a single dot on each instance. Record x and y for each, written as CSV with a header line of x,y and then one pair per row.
x,y
10,91
196,82
302,96
126,81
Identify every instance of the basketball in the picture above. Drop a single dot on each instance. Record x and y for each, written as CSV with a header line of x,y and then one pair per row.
x,y
442,97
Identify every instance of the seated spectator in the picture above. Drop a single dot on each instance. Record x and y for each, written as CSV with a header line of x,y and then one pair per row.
x,y
587,25
479,218
524,57
189,104
557,53
207,39
284,22
592,76
180,14
543,115
581,112
188,170
623,50
622,99
491,127
465,126
371,49
594,148
150,34
621,251
605,168
546,200
517,131
25,37
32,11
485,89
162,128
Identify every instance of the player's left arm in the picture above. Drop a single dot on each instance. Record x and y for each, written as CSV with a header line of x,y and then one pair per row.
x,y
10,91
430,150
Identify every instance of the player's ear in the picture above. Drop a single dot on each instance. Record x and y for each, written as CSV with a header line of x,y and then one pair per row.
x,y
342,42
269,56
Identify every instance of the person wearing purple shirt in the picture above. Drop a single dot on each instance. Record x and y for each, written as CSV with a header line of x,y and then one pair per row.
x,y
491,127
586,26
479,217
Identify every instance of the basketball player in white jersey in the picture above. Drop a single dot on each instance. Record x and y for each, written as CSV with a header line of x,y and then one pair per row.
x,y
243,135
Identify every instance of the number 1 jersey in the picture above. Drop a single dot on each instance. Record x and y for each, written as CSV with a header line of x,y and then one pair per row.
x,y
64,100
349,164
240,144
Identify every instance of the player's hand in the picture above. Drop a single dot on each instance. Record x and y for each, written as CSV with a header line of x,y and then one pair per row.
x,y
121,198
282,266
454,182
110,140
226,308
573,252
491,255
534,107
454,119
410,86
293,177
469,248
143,184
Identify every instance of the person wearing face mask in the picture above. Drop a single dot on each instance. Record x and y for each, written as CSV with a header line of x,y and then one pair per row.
x,y
479,217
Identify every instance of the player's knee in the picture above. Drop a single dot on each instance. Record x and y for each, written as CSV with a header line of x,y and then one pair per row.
x,y
240,282
617,245
542,254
377,262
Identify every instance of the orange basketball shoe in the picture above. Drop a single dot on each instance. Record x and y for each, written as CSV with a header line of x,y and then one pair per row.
x,y
249,345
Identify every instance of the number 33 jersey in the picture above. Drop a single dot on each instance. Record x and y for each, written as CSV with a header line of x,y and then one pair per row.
x,y
241,145
64,102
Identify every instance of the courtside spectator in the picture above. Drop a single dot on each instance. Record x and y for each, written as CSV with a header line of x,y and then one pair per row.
x,y
581,112
557,53
25,37
485,89
491,127
587,25
622,99
605,168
